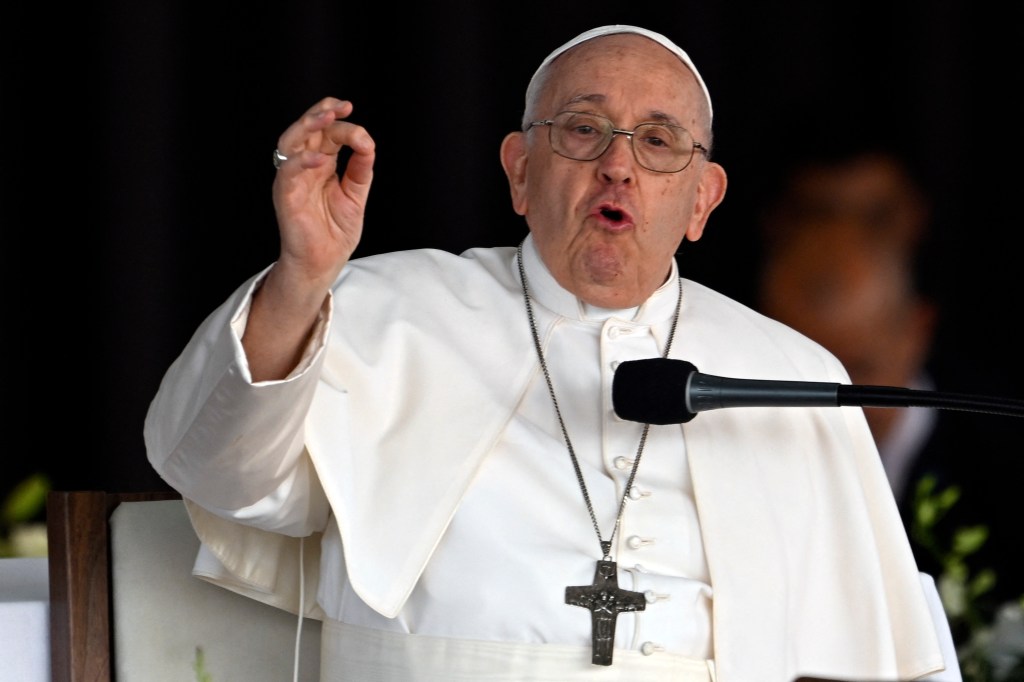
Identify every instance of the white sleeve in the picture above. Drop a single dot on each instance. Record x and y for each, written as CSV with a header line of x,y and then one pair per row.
x,y
952,671
233,446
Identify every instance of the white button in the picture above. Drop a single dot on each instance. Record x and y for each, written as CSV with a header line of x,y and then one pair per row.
x,y
635,493
648,648
651,596
622,463
636,542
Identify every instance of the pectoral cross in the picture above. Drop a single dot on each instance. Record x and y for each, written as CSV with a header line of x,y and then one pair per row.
x,y
606,600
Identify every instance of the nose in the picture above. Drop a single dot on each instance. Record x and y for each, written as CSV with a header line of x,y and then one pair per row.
x,y
617,164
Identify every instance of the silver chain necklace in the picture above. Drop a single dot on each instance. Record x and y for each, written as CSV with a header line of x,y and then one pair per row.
x,y
605,599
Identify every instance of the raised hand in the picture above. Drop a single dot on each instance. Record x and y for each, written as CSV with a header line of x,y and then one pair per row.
x,y
320,219
320,215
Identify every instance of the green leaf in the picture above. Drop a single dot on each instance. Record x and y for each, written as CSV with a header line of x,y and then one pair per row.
x,y
970,539
927,513
925,486
199,666
948,497
27,500
982,583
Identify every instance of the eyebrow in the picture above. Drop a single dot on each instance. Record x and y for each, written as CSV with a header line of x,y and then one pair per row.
x,y
596,98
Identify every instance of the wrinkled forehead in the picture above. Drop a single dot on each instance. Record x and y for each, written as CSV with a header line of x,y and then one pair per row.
x,y
537,78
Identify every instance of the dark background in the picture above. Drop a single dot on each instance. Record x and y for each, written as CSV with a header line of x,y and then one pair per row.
x,y
136,169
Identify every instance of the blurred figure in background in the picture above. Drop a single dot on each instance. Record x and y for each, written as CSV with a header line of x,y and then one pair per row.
x,y
846,241
840,266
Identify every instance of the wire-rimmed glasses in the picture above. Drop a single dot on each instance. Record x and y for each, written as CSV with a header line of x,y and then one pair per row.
x,y
659,147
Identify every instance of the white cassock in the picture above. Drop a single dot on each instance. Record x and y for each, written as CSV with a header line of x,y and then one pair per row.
x,y
418,443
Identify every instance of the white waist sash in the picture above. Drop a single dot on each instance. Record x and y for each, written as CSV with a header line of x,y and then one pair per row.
x,y
350,653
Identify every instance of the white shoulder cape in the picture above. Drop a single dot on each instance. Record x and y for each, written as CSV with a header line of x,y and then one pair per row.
x,y
811,569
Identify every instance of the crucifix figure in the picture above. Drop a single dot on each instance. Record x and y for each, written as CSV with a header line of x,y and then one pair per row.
x,y
606,600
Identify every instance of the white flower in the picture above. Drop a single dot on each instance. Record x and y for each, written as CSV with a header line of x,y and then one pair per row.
x,y
1006,639
29,540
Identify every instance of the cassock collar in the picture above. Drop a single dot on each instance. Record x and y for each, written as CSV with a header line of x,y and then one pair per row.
x,y
546,291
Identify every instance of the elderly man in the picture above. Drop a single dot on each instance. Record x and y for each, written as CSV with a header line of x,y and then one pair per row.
x,y
423,446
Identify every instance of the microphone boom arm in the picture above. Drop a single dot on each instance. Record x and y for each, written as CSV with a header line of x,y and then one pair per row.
x,y
710,392
665,391
886,396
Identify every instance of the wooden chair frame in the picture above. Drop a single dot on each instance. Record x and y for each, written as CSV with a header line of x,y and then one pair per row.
x,y
81,638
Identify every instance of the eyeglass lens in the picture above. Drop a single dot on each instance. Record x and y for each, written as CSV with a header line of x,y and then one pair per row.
x,y
658,147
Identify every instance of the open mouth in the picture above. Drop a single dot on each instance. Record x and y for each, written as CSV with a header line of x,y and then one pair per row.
x,y
612,214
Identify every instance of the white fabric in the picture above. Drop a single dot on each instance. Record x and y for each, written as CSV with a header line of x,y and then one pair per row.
x,y
623,28
508,543
811,570
162,614
371,656
952,671
25,619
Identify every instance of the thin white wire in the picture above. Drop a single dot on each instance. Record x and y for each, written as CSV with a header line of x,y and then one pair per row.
x,y
302,609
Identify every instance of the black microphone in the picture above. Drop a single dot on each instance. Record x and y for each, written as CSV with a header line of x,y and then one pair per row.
x,y
665,391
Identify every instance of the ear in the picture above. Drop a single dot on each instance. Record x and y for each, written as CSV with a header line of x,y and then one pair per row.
x,y
710,192
513,160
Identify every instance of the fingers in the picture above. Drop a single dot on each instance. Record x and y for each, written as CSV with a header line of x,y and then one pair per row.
x,y
319,201
321,133
306,133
